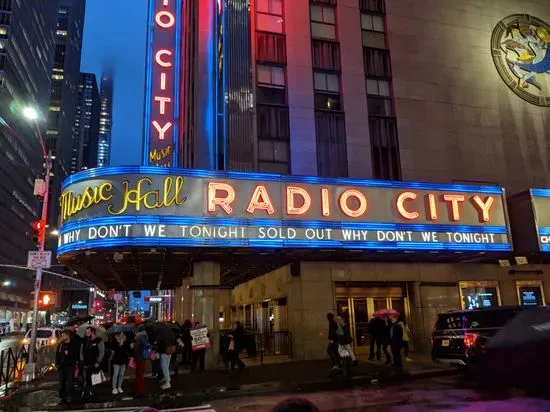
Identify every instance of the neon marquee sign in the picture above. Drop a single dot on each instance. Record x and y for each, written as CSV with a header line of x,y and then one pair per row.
x,y
147,206
162,106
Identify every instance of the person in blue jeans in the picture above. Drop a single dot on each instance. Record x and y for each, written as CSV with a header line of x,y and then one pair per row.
x,y
119,359
165,351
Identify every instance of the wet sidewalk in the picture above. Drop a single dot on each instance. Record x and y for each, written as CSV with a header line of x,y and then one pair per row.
x,y
190,389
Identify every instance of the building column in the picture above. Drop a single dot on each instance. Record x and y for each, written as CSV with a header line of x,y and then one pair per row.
x,y
205,295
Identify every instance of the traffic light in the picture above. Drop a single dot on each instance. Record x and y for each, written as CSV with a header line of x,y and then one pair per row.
x,y
46,299
38,231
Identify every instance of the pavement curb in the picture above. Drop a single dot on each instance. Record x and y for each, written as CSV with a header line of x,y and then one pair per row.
x,y
182,399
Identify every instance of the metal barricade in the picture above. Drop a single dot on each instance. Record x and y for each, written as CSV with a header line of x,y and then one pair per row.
x,y
12,363
45,359
260,345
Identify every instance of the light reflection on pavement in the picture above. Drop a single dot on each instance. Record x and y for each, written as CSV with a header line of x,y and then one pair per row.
x,y
438,394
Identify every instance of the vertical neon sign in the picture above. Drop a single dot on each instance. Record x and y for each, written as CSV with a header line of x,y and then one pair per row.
x,y
161,140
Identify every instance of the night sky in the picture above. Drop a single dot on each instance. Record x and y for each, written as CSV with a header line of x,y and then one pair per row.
x,y
114,36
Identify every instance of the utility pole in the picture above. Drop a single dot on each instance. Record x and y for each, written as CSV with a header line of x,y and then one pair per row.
x,y
30,369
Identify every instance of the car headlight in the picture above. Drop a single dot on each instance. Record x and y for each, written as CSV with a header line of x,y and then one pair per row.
x,y
53,341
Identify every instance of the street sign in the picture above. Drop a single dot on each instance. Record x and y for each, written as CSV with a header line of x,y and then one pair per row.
x,y
37,259
152,299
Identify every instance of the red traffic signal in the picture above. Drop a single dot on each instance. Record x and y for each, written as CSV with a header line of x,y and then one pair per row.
x,y
38,231
46,299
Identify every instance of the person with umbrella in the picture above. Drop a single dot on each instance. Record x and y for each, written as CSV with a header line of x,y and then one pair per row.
x,y
92,352
65,358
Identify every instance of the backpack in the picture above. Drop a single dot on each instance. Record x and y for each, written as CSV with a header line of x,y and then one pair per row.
x,y
146,351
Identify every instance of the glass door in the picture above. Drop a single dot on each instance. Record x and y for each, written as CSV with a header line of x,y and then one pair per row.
x,y
360,322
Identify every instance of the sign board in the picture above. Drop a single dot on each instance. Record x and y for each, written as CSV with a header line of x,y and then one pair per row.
x,y
152,299
530,219
200,338
37,259
162,92
161,207
79,306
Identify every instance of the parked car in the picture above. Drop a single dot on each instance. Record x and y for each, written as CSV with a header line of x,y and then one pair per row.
x,y
460,337
44,336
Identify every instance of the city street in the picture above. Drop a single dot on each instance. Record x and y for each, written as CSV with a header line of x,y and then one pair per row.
x,y
436,394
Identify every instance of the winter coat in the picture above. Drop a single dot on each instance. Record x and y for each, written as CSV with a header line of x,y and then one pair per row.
x,y
92,351
238,338
65,354
140,341
396,334
121,353
376,327
334,331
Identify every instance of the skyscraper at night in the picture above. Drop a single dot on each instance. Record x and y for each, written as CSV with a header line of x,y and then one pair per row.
x,y
105,119
27,47
86,124
64,94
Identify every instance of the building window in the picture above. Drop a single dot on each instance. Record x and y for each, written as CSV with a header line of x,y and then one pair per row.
x,y
323,22
271,48
271,75
377,62
5,5
372,31
380,106
271,84
327,91
269,16
372,6
273,151
5,18
273,122
384,147
330,132
326,55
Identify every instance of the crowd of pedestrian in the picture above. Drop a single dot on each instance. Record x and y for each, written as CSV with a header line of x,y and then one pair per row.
x,y
388,334
89,359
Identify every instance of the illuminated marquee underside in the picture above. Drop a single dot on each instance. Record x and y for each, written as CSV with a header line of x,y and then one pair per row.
x,y
160,207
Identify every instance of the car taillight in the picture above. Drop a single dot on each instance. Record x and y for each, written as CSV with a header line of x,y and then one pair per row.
x,y
470,339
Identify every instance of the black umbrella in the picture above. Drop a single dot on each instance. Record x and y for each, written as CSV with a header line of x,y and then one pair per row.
x,y
78,319
161,331
518,355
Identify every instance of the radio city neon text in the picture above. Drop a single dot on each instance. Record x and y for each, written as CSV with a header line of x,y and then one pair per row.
x,y
352,203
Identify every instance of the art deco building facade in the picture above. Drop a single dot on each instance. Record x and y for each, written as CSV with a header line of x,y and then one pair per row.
x,y
433,91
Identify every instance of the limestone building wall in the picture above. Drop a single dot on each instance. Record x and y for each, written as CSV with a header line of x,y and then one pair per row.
x,y
456,117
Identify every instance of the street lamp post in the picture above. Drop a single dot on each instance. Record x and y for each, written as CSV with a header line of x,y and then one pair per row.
x,y
30,369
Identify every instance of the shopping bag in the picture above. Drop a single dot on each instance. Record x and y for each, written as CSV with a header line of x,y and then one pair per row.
x,y
343,352
132,363
98,378
231,345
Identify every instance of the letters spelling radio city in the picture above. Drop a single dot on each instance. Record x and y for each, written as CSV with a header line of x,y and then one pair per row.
x,y
297,201
163,75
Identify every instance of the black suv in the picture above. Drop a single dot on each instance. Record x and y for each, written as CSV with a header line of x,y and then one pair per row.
x,y
460,337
